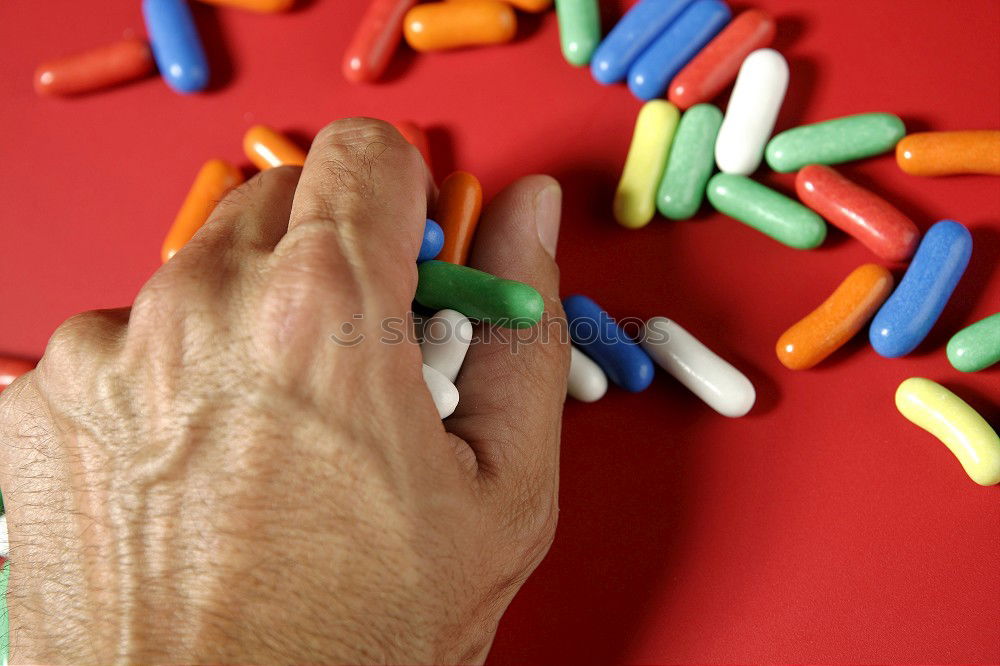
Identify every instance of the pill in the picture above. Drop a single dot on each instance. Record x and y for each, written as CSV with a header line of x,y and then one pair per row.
x,y
94,69
446,339
834,141
587,382
375,40
534,6
11,369
417,138
443,285
716,65
459,201
636,30
214,179
176,44
690,164
879,225
443,392
4,541
710,377
656,66
432,242
947,153
910,312
635,198
976,347
959,427
263,6
846,311
603,340
769,212
752,111
579,29
267,148
437,26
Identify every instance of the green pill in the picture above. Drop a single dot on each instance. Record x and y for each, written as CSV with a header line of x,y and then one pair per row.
x,y
691,162
478,295
767,211
976,347
834,141
579,29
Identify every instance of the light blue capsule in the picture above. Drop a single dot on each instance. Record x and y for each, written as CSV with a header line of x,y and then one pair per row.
x,y
631,35
602,339
177,47
432,242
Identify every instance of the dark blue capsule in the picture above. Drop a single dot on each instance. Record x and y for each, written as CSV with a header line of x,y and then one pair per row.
x,y
602,339
432,243
177,47
631,35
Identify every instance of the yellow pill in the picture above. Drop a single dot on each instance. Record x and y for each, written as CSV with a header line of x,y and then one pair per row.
x,y
949,418
635,199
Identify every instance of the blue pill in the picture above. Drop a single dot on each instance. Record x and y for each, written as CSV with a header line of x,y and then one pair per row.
x,y
432,243
602,339
906,318
682,40
631,35
177,47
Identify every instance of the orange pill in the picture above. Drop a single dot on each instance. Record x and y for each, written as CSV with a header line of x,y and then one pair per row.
x,y
267,6
94,69
947,153
267,148
416,136
436,26
214,179
533,6
844,313
459,202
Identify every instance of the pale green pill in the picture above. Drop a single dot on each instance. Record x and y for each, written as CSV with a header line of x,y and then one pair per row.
x,y
834,141
976,347
579,29
691,162
767,211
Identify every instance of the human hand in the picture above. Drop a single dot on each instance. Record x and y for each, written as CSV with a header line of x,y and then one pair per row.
x,y
207,476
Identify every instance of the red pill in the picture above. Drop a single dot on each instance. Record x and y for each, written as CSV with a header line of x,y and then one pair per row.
x,y
858,212
102,67
11,369
416,136
718,63
375,40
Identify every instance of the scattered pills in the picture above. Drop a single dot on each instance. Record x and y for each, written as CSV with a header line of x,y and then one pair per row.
x,y
432,242
769,212
177,46
375,40
847,310
635,198
961,428
603,340
752,111
834,141
636,30
710,377
690,164
267,148
487,298
587,382
446,339
976,347
947,153
11,369
876,223
263,6
909,314
95,69
214,179
437,26
459,202
443,392
417,138
579,29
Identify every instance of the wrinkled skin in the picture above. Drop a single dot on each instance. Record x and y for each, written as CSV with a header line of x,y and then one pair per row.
x,y
207,476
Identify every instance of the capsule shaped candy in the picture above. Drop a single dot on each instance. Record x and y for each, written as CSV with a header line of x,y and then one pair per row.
x,y
417,138
602,339
446,339
533,6
767,211
691,162
834,141
879,225
94,69
635,198
909,314
976,347
710,377
478,295
636,30
947,153
753,109
262,6
459,203
656,66
176,44
432,242
716,66
436,26
214,179
4,551
959,427
443,392
579,29
375,40
587,382
826,329
267,149
11,369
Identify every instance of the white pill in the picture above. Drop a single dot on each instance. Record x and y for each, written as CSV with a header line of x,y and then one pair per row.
x,y
446,338
705,373
4,543
587,382
753,108
443,392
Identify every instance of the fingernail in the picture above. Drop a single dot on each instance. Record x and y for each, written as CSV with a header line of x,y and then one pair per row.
x,y
548,210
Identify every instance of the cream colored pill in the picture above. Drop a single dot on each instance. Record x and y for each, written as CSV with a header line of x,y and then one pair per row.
x,y
949,418
635,199
446,339
4,542
710,377
443,392
587,382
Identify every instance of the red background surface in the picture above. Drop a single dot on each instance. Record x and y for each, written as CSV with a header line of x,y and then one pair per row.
x,y
821,527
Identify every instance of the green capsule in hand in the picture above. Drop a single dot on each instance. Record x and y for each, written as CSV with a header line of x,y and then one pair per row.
x,y
976,347
691,162
767,211
478,295
834,141
579,29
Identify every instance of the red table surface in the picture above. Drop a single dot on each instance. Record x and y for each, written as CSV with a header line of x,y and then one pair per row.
x,y
821,527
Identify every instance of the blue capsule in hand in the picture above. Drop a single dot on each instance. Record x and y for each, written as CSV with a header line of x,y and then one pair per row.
x,y
432,242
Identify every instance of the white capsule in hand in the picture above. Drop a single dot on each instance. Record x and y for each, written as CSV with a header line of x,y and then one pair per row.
x,y
446,338
4,543
710,377
443,392
587,382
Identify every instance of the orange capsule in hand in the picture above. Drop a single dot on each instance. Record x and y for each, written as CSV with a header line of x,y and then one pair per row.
x,y
265,6
436,26
947,153
459,202
101,67
267,148
214,179
844,313
11,369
